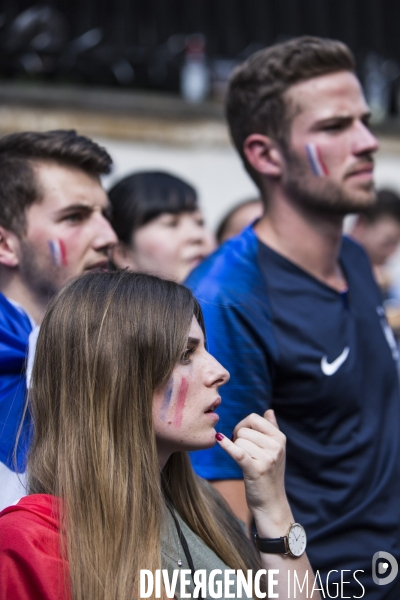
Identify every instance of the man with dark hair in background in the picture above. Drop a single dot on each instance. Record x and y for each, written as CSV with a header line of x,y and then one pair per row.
x,y
53,226
293,312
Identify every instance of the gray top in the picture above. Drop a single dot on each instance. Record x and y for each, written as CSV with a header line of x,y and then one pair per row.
x,y
203,557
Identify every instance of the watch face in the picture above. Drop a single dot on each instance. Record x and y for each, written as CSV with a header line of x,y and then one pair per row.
x,y
297,539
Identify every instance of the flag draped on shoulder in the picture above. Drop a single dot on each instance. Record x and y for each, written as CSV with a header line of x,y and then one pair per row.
x,y
15,327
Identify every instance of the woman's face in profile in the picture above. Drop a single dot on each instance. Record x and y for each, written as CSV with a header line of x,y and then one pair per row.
x,y
169,246
184,409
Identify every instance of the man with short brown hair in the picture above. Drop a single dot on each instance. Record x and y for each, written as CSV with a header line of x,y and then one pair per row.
x,y
53,226
293,312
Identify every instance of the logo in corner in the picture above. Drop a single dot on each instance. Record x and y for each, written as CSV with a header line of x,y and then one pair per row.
x,y
380,568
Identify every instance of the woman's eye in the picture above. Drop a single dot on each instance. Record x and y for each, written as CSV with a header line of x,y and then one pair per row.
x,y
172,223
185,358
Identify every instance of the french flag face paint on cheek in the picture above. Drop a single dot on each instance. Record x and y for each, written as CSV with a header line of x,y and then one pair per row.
x,y
166,399
58,253
318,166
180,403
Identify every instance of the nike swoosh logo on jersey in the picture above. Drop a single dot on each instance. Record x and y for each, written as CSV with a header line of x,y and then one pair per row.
x,y
331,368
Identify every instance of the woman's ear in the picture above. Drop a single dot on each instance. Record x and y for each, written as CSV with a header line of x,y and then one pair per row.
x,y
263,155
122,257
10,248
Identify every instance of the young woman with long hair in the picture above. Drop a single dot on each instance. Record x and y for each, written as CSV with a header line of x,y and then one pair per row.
x,y
122,387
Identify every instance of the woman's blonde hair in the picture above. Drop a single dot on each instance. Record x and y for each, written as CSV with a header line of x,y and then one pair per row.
x,y
107,342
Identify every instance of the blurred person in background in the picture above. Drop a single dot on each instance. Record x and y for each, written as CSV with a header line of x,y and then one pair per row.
x,y
159,225
53,226
238,218
293,311
377,229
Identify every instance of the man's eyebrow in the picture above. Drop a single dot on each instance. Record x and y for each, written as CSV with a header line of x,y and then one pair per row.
x,y
88,208
341,119
74,207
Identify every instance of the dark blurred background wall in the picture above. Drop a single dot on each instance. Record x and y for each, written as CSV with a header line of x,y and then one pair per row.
x,y
230,25
115,70
144,43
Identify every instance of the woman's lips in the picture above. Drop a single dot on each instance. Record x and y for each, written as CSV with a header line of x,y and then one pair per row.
x,y
195,260
213,406
213,416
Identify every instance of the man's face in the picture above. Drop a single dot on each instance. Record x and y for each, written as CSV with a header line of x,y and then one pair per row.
x,y
67,232
329,159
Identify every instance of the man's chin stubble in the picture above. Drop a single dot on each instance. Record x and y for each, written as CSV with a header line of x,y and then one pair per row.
x,y
329,199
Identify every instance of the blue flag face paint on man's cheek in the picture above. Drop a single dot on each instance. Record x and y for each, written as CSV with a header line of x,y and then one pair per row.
x,y
58,253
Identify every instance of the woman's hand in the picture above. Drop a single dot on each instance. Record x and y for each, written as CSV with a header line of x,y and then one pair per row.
x,y
258,447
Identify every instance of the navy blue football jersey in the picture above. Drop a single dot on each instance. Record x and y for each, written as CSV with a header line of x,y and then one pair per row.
x,y
326,363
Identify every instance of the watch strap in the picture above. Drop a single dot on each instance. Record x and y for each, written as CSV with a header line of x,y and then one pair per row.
x,y
271,545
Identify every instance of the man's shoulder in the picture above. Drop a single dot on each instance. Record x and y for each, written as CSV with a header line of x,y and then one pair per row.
x,y
15,328
352,249
356,261
349,245
230,272
14,321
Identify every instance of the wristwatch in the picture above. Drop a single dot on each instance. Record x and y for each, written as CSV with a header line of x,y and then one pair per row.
x,y
293,543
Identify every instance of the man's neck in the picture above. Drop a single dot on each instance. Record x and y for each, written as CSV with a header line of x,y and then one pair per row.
x,y
309,239
14,290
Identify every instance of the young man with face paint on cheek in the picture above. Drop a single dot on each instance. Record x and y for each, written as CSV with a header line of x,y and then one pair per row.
x,y
53,226
293,312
